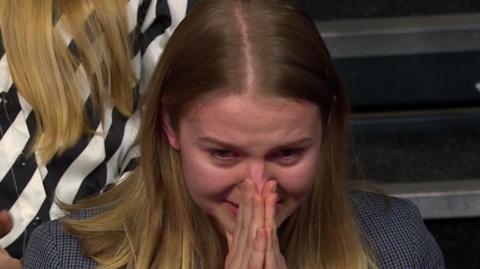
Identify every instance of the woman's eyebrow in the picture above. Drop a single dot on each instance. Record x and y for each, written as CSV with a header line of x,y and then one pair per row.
x,y
211,140
298,142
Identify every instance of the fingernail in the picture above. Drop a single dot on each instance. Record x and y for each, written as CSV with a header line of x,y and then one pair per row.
x,y
274,187
256,199
258,232
250,186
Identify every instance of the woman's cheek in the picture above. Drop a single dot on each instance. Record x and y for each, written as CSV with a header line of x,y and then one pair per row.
x,y
206,181
297,181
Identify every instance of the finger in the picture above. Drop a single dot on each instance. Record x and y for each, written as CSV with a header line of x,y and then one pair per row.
x,y
236,243
257,257
246,218
249,204
273,256
274,186
269,250
267,188
245,246
229,237
7,262
270,210
224,217
230,258
6,223
258,215
238,220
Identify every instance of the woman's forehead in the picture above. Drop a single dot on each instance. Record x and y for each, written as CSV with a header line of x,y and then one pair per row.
x,y
243,103
245,118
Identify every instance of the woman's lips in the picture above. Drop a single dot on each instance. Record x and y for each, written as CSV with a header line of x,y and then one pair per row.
x,y
232,206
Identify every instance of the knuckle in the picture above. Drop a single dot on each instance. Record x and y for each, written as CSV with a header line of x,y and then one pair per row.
x,y
244,227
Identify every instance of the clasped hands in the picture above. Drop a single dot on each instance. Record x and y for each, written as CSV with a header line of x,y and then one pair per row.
x,y
254,242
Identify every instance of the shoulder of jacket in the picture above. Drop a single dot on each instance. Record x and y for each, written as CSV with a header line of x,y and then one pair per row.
x,y
394,230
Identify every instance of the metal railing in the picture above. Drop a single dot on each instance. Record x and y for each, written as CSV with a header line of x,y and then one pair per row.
x,y
439,200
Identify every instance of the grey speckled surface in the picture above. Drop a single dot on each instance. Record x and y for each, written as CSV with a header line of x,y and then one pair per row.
x,y
416,149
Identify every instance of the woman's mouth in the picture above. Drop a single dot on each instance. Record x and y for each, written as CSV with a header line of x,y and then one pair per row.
x,y
232,206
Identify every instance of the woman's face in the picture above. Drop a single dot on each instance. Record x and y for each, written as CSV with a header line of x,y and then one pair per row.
x,y
228,139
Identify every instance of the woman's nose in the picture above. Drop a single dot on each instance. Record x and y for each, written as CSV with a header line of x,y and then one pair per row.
x,y
259,174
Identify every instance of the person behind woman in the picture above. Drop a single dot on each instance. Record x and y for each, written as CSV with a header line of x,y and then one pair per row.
x,y
242,162
70,73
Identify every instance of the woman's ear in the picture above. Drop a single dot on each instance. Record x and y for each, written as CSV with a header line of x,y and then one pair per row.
x,y
169,132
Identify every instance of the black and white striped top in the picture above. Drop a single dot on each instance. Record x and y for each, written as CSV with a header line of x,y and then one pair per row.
x,y
29,190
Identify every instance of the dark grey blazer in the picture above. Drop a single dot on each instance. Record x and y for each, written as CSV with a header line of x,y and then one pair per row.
x,y
394,231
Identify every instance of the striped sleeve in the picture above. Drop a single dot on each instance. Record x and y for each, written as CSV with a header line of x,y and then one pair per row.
x,y
155,21
29,190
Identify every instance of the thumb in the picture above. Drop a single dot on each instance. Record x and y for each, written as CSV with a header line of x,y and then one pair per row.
x,y
6,223
225,219
7,262
229,239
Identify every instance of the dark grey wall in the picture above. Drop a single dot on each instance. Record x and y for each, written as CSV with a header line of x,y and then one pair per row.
x,y
343,9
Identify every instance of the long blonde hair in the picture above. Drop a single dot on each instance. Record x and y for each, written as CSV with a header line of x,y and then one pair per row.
x,y
150,220
47,72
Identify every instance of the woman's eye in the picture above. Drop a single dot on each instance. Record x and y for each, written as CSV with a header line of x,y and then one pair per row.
x,y
223,154
289,153
287,156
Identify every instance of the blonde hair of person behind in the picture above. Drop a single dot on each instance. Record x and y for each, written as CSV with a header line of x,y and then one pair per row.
x,y
226,47
45,70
